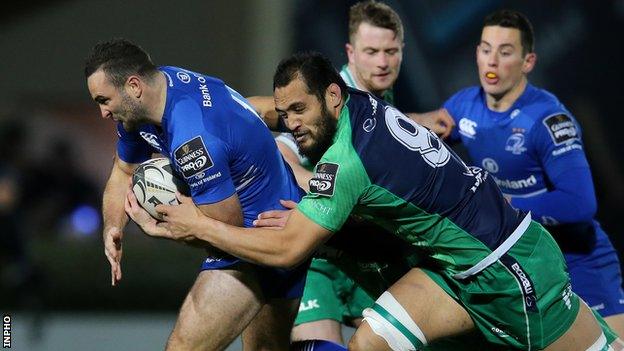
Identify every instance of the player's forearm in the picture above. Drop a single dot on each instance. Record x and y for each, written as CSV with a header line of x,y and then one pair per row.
x,y
265,107
573,200
113,212
261,246
424,119
560,206
302,175
439,121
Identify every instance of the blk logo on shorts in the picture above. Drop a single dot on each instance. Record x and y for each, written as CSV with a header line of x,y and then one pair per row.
x,y
527,287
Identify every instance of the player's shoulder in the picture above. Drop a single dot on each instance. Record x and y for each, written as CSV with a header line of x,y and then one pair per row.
x,y
543,105
190,94
363,105
464,100
179,78
341,151
551,115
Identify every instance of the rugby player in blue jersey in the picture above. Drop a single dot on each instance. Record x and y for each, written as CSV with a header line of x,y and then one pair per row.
x,y
227,156
531,145
487,266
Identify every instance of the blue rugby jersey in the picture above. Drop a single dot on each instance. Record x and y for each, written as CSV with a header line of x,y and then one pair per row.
x,y
535,154
216,142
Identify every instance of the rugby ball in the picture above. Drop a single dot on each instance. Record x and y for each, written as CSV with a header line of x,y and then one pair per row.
x,y
154,182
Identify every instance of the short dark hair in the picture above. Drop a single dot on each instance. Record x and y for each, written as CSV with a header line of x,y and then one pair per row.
x,y
377,14
119,59
314,69
513,19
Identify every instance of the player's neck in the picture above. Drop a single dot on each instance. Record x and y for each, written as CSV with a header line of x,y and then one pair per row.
x,y
157,99
504,102
360,85
338,110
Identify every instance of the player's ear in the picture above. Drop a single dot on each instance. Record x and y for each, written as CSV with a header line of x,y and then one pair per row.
x,y
134,86
350,52
529,62
333,95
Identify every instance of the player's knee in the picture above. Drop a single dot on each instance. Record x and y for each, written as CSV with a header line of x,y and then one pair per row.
x,y
617,345
364,341
324,329
197,300
601,344
181,338
176,342
388,324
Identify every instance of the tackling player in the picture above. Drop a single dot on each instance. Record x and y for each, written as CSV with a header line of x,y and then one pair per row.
x,y
375,53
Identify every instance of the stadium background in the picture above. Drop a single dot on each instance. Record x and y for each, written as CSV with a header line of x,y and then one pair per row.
x,y
55,150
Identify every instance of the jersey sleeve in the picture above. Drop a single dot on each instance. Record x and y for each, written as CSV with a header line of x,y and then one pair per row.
x,y
556,141
131,147
334,190
572,199
200,157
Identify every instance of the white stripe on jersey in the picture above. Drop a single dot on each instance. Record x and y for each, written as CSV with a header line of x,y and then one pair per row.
x,y
537,192
237,97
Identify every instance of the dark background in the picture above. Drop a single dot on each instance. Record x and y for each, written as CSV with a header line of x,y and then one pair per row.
x,y
55,150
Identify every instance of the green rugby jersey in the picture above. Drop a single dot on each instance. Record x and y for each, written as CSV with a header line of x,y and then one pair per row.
x,y
387,169
346,75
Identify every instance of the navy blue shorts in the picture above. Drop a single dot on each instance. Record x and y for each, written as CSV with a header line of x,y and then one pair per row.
x,y
276,283
596,277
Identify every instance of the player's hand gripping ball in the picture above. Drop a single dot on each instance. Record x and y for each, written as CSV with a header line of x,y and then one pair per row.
x,y
154,182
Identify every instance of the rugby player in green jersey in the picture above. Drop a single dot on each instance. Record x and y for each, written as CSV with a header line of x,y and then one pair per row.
x,y
487,266
375,53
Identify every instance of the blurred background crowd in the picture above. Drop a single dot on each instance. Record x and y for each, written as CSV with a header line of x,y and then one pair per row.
x,y
55,150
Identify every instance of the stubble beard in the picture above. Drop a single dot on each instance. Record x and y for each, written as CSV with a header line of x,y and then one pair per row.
x,y
134,113
325,131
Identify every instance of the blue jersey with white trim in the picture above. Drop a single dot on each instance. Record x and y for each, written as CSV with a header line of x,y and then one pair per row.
x,y
523,147
216,142
531,150
535,153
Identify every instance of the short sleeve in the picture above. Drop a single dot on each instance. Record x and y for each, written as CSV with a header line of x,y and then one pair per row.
x,y
334,191
131,147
